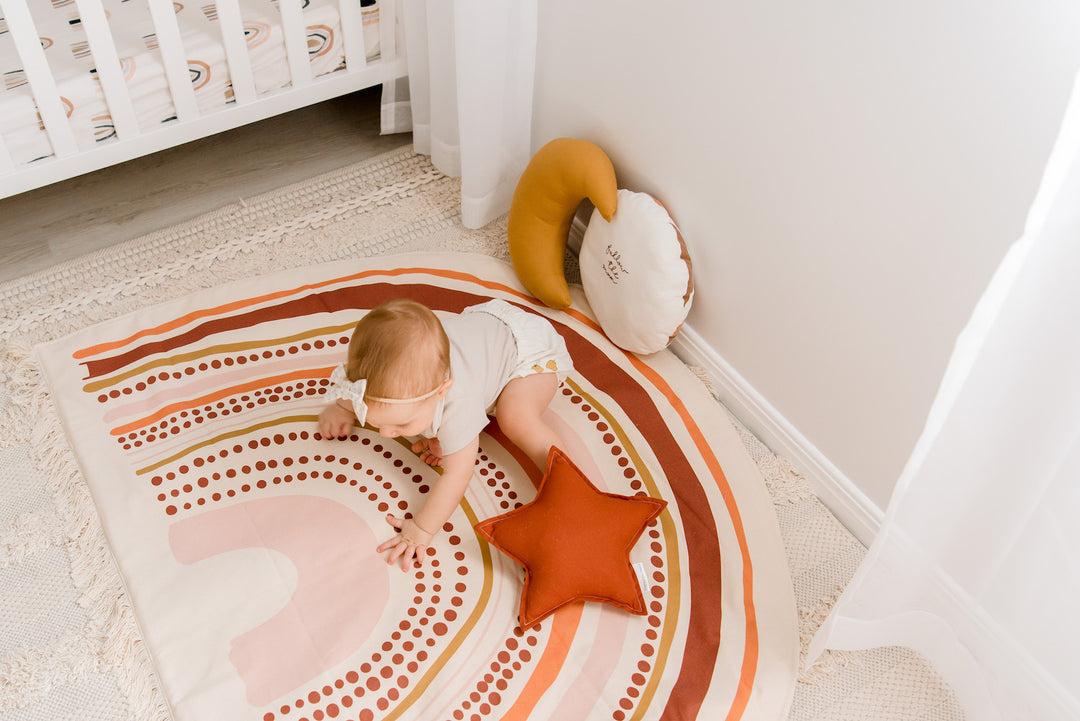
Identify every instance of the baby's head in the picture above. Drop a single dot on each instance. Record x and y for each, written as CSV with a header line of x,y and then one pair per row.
x,y
400,347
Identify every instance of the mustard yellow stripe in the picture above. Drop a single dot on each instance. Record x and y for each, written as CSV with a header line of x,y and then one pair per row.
x,y
667,523
206,352
225,436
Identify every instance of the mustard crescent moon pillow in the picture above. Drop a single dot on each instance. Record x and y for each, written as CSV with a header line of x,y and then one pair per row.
x,y
558,177
637,274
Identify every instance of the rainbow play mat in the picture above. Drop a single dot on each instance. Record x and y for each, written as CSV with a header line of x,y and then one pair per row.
x,y
247,544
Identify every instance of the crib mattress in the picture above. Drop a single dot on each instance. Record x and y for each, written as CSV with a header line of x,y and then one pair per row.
x,y
68,53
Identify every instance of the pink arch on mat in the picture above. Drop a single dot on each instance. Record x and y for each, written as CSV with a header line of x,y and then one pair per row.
x,y
335,605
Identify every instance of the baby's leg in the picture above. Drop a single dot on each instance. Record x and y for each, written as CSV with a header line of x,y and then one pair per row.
x,y
519,410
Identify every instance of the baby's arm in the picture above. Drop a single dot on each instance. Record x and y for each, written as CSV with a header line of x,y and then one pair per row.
x,y
336,420
418,531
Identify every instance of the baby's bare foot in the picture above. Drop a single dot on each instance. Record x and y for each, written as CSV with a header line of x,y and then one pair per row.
x,y
429,450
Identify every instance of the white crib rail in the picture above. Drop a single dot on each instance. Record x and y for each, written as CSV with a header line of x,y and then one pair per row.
x,y
292,22
388,30
173,58
107,64
39,76
232,31
132,141
352,31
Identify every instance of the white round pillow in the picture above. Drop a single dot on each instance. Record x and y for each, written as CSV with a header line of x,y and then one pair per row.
x,y
636,273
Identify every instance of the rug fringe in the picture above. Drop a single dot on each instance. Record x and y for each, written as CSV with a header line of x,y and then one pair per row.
x,y
28,674
14,366
831,661
30,533
112,622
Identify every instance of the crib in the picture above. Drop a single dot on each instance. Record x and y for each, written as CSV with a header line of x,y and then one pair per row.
x,y
92,83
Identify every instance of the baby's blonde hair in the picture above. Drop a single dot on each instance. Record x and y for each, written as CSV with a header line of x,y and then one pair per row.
x,y
400,347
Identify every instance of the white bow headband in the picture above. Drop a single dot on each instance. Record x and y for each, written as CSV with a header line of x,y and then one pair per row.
x,y
354,391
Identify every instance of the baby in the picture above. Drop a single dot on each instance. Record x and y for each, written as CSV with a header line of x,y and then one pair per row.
x,y
412,373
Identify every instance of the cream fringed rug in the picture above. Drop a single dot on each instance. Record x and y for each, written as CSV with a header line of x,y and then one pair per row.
x,y
70,646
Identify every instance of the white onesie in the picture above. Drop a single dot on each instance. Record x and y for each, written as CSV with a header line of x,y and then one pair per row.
x,y
490,345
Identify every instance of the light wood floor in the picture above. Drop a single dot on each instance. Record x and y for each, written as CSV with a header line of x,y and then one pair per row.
x,y
65,220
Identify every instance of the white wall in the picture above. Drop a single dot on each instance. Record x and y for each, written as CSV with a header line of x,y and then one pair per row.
x,y
846,174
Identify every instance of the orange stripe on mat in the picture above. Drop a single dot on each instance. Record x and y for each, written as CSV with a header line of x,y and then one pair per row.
x,y
218,395
750,656
563,629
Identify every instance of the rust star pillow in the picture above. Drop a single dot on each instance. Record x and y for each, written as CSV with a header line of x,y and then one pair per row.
x,y
574,542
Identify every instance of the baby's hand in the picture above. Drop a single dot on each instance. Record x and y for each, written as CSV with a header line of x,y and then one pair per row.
x,y
411,543
335,421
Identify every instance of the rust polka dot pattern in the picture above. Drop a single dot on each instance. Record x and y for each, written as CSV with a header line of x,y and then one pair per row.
x,y
247,540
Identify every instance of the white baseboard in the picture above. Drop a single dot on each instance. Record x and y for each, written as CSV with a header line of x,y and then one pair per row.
x,y
840,495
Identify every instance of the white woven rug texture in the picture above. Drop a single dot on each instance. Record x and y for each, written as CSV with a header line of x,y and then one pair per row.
x,y
69,647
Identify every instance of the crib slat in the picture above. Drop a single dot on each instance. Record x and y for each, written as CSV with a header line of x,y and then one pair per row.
x,y
352,32
295,29
236,52
387,32
39,76
388,53
173,57
415,18
109,72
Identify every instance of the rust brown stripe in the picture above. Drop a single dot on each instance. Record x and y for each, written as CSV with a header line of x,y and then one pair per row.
x,y
361,297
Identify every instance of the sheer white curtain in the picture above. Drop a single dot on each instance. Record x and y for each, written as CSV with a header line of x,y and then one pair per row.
x,y
977,564
471,66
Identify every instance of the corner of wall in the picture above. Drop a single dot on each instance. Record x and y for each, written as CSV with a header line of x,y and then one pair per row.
x,y
577,227
851,506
